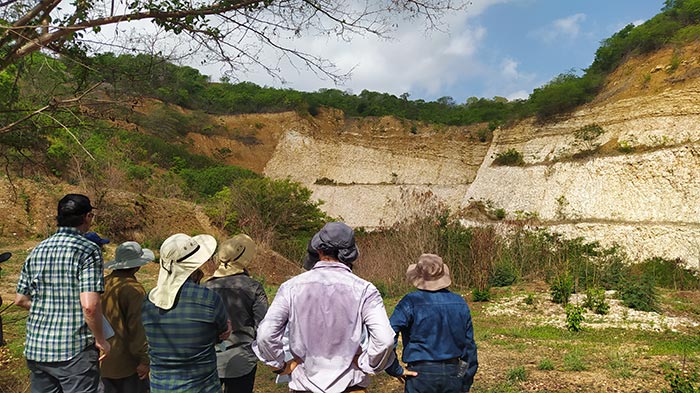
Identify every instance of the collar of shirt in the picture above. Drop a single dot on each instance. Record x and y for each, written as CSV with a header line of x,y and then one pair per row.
x,y
331,265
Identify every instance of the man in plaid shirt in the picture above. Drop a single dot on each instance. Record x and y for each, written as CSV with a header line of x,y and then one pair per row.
x,y
60,284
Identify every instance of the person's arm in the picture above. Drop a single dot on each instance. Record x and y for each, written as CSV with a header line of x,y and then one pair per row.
x,y
260,305
268,343
23,301
221,319
131,310
92,311
470,356
23,298
380,349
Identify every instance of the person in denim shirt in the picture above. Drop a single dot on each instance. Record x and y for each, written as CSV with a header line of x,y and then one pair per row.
x,y
437,334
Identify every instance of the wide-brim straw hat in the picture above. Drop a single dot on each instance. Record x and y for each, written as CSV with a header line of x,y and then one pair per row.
x,y
180,256
129,255
429,274
234,255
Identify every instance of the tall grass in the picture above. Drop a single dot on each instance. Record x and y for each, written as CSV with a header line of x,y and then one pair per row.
x,y
503,253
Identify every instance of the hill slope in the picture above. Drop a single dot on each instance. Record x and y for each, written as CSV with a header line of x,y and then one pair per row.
x,y
634,184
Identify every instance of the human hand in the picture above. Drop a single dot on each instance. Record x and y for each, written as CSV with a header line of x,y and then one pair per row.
x,y
142,371
103,347
223,336
288,367
406,374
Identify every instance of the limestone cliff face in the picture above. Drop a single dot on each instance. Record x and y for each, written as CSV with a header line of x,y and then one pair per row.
x,y
637,187
375,173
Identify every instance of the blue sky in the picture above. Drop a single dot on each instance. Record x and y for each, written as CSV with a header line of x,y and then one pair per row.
x,y
495,48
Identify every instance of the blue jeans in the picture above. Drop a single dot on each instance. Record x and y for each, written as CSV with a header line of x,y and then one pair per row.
x,y
434,377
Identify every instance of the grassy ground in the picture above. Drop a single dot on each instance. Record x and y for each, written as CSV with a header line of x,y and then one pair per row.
x,y
515,353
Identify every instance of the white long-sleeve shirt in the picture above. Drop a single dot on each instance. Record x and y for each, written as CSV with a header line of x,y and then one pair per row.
x,y
325,310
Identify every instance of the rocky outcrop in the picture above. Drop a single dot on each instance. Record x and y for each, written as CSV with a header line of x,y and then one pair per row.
x,y
634,182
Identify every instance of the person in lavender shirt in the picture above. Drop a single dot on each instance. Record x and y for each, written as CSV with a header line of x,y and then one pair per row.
x,y
326,310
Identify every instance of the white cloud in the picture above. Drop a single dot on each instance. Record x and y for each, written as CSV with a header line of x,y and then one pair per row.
x,y
518,95
413,61
564,28
509,68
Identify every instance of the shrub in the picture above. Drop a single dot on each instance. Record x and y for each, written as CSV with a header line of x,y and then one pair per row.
x,y
209,181
510,157
669,273
481,295
504,274
138,172
639,293
681,380
687,34
561,289
625,147
500,213
529,299
595,301
574,317
675,62
589,132
278,213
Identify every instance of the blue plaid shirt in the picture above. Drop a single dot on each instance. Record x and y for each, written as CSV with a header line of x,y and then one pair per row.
x,y
53,276
181,340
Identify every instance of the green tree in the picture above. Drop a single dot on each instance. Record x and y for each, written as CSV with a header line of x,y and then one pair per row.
x,y
279,213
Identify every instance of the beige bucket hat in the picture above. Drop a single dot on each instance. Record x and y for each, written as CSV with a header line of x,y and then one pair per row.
x,y
129,255
180,255
234,255
429,274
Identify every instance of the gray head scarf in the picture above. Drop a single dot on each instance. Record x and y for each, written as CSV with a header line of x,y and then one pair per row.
x,y
337,236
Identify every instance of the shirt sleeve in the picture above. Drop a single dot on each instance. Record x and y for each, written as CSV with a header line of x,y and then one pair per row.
x,y
399,320
260,305
380,349
138,346
220,314
92,272
268,343
470,356
23,283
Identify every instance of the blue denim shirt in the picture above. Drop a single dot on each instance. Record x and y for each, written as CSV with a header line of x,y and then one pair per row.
x,y
434,326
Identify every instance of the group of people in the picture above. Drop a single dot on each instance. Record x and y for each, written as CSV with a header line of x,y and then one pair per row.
x,y
326,329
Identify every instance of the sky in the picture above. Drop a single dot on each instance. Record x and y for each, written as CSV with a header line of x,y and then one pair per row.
x,y
502,48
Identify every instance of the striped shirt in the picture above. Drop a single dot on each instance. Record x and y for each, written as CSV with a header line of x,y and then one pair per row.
x,y
181,340
53,276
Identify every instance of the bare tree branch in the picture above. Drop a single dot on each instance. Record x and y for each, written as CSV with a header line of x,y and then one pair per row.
x,y
217,25
54,104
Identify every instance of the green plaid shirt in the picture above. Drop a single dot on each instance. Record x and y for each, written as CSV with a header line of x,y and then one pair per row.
x,y
53,276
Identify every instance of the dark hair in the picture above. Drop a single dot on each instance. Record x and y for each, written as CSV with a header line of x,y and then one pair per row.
x,y
71,220
72,209
333,253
